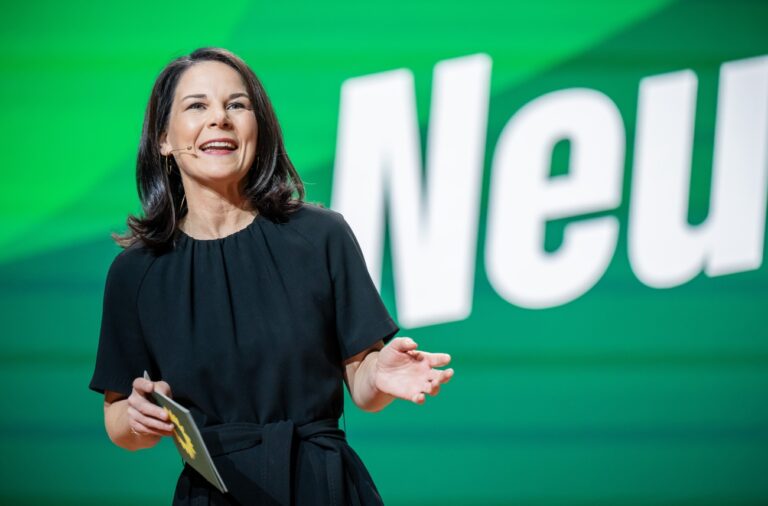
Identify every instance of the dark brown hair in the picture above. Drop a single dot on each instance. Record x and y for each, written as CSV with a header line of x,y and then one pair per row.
x,y
269,185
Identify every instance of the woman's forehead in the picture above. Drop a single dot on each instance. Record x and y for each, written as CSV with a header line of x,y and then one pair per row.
x,y
211,79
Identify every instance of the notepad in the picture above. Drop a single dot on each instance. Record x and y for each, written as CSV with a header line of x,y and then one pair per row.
x,y
188,440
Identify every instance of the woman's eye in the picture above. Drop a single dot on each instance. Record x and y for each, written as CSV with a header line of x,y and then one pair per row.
x,y
197,104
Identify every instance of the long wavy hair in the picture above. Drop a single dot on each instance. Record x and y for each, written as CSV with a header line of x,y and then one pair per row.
x,y
272,185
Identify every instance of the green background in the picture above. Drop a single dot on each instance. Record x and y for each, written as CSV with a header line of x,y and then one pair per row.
x,y
627,395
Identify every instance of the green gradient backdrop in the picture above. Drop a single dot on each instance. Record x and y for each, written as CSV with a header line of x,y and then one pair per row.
x,y
628,395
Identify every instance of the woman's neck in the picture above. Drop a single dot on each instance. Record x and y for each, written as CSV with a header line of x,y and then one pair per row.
x,y
215,212
214,224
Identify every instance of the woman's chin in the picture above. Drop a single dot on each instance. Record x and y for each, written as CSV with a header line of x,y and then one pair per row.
x,y
219,173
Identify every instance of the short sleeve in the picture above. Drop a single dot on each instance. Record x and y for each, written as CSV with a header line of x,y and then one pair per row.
x,y
361,317
122,354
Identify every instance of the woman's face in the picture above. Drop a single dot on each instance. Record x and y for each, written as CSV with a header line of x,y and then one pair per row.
x,y
211,102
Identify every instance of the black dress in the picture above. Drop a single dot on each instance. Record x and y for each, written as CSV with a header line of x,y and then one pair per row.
x,y
250,331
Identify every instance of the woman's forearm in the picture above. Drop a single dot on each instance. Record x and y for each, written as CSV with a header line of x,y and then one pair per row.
x,y
365,394
119,431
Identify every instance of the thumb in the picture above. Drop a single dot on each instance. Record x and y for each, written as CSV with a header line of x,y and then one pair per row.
x,y
143,385
163,388
403,344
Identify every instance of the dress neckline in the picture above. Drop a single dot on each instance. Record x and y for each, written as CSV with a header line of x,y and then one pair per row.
x,y
243,230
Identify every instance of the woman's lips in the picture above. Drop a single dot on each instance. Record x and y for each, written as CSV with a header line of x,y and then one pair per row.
x,y
219,151
219,147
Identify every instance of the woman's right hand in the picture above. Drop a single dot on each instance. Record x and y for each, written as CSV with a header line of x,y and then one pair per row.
x,y
146,418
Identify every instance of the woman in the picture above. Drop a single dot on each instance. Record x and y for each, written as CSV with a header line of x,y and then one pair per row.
x,y
250,305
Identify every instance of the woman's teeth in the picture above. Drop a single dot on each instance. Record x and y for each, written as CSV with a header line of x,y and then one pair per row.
x,y
219,146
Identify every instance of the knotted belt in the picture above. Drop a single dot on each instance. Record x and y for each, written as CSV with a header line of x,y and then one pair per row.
x,y
277,440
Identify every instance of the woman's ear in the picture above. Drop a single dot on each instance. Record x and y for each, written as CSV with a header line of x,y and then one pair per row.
x,y
165,148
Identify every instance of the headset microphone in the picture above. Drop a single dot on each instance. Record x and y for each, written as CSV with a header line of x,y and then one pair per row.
x,y
182,149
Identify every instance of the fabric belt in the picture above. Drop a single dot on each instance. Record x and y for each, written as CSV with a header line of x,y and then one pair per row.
x,y
277,441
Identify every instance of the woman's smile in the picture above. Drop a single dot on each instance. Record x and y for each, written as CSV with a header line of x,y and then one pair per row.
x,y
218,152
219,147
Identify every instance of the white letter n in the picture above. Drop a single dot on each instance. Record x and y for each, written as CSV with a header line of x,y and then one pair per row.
x,y
433,224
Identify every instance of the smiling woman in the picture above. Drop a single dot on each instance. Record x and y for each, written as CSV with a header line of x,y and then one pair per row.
x,y
252,306
209,95
221,124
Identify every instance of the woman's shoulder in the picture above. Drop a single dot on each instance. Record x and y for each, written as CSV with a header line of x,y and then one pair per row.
x,y
318,227
316,220
130,265
316,214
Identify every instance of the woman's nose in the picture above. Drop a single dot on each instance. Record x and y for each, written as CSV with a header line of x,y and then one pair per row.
x,y
219,117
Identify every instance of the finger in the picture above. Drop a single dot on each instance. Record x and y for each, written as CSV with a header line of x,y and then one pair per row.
x,y
150,423
164,388
141,430
143,385
147,408
439,375
434,390
419,398
146,431
445,376
438,359
403,344
416,354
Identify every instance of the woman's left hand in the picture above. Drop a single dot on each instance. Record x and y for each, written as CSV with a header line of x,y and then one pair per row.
x,y
407,373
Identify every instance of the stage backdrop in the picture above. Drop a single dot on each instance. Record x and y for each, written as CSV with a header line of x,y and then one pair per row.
x,y
567,197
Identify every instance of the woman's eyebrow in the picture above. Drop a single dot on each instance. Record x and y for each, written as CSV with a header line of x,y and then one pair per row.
x,y
203,95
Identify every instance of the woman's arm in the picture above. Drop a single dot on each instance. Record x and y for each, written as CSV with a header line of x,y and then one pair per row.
x,y
134,422
359,376
378,375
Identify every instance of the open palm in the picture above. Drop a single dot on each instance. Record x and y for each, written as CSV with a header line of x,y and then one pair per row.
x,y
407,373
